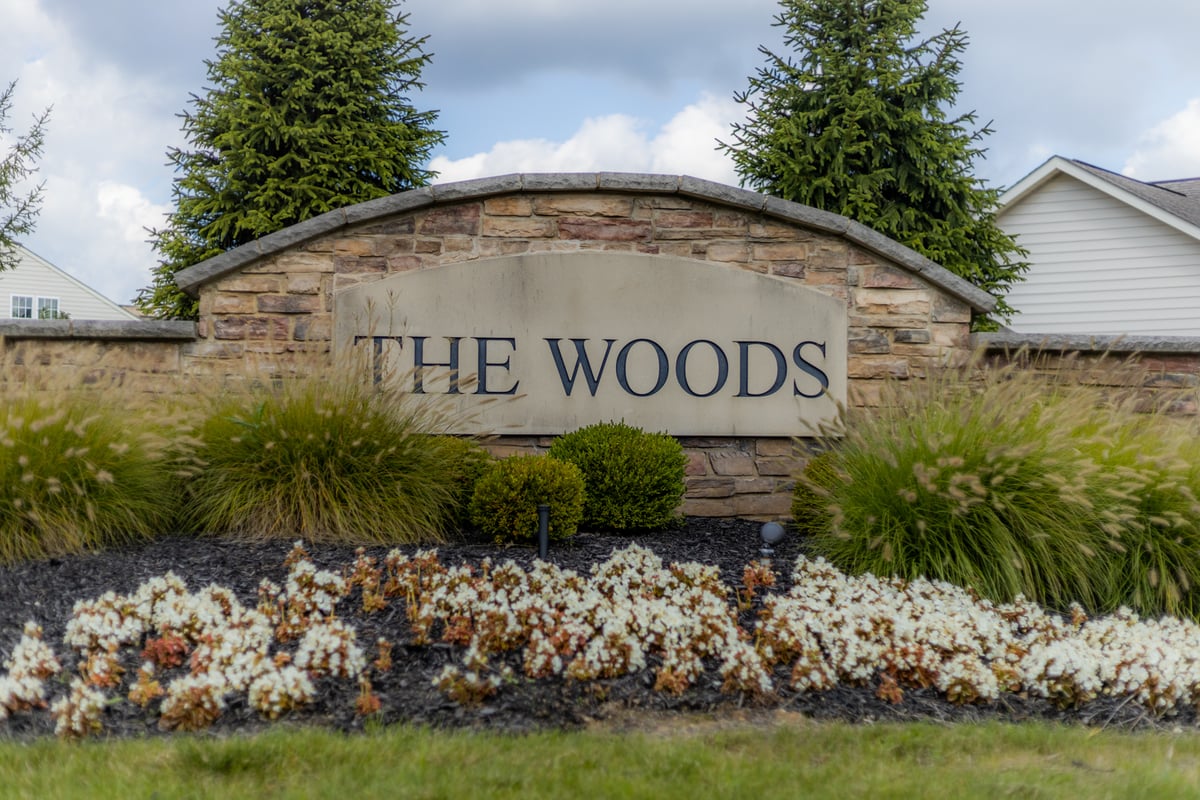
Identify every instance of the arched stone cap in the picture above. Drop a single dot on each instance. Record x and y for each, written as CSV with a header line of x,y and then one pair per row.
x,y
191,279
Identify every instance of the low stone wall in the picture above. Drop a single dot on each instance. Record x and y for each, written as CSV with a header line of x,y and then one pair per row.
x,y
726,476
1163,371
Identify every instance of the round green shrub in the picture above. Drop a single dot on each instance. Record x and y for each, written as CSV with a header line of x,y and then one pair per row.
x,y
811,495
470,463
633,479
325,459
78,472
506,498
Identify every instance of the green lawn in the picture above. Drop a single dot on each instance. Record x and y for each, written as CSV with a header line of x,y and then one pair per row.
x,y
692,760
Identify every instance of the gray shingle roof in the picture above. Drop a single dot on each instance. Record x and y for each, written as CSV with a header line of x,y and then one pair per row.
x,y
1178,197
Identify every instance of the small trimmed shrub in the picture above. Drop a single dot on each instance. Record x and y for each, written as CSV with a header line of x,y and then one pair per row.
x,y
504,506
811,495
471,462
633,479
323,457
78,473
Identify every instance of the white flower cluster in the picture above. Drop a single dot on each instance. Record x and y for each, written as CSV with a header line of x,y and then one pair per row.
x,y
831,628
78,714
630,614
228,648
31,663
633,607
330,647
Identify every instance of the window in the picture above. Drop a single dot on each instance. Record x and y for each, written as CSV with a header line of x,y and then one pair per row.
x,y
47,308
22,307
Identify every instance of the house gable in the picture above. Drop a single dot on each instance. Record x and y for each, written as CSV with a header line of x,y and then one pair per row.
x,y
34,278
1108,255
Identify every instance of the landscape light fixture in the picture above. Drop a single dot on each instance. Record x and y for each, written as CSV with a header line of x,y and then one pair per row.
x,y
771,534
543,530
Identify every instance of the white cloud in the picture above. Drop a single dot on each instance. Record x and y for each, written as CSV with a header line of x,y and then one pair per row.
x,y
686,144
1171,149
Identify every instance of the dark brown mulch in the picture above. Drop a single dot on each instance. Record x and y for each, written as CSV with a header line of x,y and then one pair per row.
x,y
45,591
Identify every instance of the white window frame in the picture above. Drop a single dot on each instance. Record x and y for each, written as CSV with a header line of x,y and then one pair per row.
x,y
43,303
13,309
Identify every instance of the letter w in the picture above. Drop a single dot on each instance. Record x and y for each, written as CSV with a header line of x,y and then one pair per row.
x,y
581,360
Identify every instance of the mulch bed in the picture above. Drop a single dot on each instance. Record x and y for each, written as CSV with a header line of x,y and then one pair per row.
x,y
45,591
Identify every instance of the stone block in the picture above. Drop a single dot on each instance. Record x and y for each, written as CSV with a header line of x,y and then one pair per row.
x,y
738,252
401,263
757,485
355,246
359,264
775,446
508,206
461,219
731,462
773,230
232,304
881,277
786,466
604,229
507,247
875,367
289,303
828,256
782,251
428,246
788,269
305,283
868,341
395,227
950,309
683,219
251,284
520,227
710,487
911,336
697,464
584,205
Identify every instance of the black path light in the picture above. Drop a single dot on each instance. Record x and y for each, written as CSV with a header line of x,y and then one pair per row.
x,y
771,534
543,530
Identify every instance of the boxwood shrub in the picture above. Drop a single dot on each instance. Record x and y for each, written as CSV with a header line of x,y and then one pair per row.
x,y
633,479
506,497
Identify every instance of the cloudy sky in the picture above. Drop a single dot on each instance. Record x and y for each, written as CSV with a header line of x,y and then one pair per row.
x,y
565,85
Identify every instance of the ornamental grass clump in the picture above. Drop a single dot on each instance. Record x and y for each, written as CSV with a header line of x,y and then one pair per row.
x,y
980,483
324,456
1012,482
1150,468
79,472
504,506
633,479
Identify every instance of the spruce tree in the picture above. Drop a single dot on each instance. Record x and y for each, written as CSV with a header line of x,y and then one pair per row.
x,y
307,112
18,208
855,120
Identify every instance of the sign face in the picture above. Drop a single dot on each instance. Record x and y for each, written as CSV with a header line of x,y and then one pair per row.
x,y
546,343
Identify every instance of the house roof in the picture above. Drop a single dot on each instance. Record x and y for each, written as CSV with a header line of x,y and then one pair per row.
x,y
192,278
1174,202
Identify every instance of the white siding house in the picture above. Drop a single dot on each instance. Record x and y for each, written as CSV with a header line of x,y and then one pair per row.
x,y
1108,254
36,289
